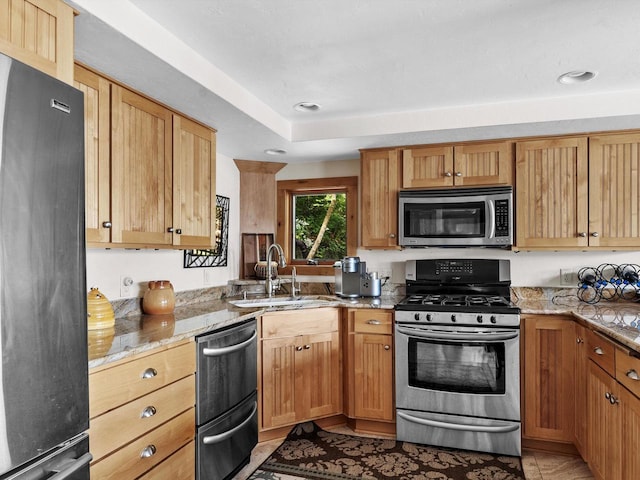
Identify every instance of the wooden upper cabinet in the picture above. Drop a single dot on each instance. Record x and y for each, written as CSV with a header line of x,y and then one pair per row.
x,y
462,165
39,33
552,193
97,161
141,158
380,183
194,170
614,190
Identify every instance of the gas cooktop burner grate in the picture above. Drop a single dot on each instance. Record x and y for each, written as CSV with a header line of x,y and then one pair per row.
x,y
457,300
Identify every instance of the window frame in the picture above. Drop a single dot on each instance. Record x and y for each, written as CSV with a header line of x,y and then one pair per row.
x,y
287,189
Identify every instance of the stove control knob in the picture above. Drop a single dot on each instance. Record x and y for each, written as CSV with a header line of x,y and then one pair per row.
x,y
493,319
479,318
453,318
416,317
428,317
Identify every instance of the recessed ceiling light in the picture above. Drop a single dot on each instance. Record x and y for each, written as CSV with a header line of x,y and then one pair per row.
x,y
306,107
577,76
275,151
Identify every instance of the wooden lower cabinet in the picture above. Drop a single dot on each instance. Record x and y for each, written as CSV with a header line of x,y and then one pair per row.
x,y
580,391
369,380
142,414
548,381
300,374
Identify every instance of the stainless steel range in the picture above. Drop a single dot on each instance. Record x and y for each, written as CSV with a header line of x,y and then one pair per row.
x,y
458,356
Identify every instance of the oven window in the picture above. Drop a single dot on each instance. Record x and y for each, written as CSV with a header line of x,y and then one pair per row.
x,y
457,367
445,220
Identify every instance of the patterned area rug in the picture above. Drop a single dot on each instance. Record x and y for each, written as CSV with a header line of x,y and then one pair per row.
x,y
309,452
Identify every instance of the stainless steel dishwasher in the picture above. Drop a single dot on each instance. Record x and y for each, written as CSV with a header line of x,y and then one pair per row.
x,y
226,400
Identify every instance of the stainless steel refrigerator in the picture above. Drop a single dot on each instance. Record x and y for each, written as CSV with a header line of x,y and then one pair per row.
x,y
44,411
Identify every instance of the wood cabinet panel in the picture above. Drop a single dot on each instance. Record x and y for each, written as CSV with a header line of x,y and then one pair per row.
x,y
549,377
322,375
296,322
97,144
373,321
614,190
630,435
141,170
601,351
379,184
373,376
581,391
39,33
194,171
551,193
279,391
427,167
628,370
179,466
483,164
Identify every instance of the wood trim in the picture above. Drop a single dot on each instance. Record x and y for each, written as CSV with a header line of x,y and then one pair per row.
x,y
253,166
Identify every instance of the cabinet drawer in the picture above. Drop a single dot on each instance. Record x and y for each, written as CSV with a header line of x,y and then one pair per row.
x,y
148,451
601,351
116,386
628,371
179,466
119,426
299,322
373,321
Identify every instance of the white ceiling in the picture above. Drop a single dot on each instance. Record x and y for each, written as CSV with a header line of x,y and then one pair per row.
x,y
385,72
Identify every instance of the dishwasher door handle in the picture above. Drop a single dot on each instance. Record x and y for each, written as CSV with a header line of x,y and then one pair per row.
x,y
217,352
458,426
221,437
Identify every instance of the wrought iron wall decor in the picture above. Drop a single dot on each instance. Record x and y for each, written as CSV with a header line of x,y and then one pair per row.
x,y
216,256
609,282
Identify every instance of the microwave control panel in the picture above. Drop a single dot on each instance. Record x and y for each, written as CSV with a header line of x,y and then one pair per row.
x,y
502,218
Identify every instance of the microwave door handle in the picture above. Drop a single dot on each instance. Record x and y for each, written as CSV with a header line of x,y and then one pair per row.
x,y
492,218
476,337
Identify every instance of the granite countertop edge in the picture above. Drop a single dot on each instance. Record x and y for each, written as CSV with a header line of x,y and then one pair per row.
x,y
136,334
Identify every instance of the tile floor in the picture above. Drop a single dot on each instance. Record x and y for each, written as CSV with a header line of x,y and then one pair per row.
x,y
536,465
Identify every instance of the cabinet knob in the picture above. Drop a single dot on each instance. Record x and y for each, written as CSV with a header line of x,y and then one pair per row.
x,y
149,373
298,349
447,174
387,347
582,234
179,231
458,174
307,347
595,234
148,451
633,375
598,351
149,411
579,340
373,322
613,400
106,224
392,235
170,230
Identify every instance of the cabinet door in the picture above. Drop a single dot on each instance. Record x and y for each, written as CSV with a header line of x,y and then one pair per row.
x,y
614,190
551,200
630,442
97,163
580,388
279,395
549,377
141,170
483,164
380,182
427,167
39,33
373,376
604,425
319,372
194,181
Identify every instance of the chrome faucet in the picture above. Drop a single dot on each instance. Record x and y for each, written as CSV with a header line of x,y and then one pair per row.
x,y
269,284
294,291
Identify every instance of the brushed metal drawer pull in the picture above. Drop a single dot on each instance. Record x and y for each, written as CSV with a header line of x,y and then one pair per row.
x,y
149,411
149,373
148,451
598,351
373,322
633,375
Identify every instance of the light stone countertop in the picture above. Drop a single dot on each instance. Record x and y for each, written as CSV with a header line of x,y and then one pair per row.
x,y
138,333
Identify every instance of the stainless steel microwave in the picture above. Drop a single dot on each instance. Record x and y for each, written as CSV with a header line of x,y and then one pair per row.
x,y
457,217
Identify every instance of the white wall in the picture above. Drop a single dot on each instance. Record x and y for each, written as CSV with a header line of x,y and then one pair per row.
x,y
105,267
531,269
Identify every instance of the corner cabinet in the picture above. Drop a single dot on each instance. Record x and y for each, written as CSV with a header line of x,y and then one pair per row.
x,y
39,33
300,373
150,172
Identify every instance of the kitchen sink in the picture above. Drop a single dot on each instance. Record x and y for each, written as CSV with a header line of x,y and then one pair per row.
x,y
278,301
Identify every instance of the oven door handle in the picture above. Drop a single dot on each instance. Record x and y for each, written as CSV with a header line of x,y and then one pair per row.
x,y
458,426
216,352
221,437
477,337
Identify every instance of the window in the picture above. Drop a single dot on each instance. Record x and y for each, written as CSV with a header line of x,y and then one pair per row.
x,y
317,222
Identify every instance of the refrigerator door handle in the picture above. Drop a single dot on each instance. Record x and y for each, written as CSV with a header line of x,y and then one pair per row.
x,y
66,472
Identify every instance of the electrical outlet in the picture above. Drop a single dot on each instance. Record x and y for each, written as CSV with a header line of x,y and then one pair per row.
x,y
126,286
207,276
568,276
